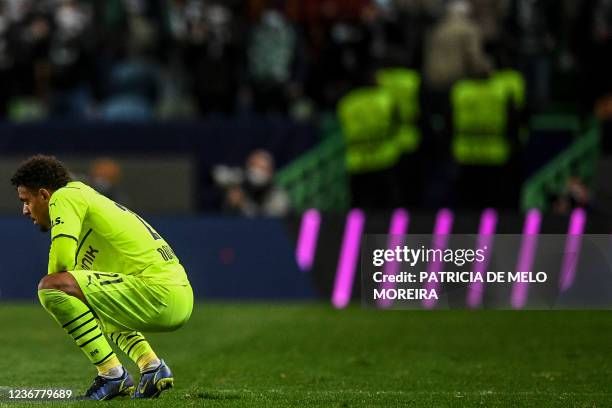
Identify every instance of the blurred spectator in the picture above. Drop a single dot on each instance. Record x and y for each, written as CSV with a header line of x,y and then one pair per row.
x,y
454,49
273,62
341,45
6,59
133,90
33,27
70,60
133,73
489,16
575,195
148,29
251,192
592,45
407,24
105,177
209,39
533,31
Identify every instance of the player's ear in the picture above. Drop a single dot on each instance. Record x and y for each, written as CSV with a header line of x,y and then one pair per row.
x,y
46,194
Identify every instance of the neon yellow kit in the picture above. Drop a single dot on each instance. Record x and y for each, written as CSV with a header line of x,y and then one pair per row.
x,y
128,273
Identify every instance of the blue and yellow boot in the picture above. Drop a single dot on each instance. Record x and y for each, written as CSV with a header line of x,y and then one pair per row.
x,y
154,381
109,388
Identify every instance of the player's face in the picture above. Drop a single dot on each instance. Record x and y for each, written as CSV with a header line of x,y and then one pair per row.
x,y
36,206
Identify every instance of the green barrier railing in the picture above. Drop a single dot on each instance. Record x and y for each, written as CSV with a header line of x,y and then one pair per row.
x,y
578,160
555,121
318,179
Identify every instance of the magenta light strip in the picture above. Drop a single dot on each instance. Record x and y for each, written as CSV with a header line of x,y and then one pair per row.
x,y
398,227
307,240
531,229
443,226
345,274
572,248
486,231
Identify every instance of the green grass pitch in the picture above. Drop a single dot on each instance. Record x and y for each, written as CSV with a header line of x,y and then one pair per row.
x,y
310,355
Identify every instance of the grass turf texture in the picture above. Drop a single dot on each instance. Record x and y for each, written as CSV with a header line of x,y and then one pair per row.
x,y
259,355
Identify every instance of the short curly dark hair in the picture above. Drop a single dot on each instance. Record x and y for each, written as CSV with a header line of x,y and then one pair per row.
x,y
41,171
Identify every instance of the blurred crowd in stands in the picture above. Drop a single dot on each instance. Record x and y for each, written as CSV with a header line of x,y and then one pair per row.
x,y
145,59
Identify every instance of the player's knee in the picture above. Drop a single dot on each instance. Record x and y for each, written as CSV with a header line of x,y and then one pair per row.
x,y
47,282
62,283
53,289
56,281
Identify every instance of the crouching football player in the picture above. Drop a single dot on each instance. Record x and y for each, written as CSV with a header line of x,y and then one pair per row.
x,y
110,276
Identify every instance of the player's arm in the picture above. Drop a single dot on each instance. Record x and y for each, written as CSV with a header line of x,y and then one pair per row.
x,y
67,209
62,254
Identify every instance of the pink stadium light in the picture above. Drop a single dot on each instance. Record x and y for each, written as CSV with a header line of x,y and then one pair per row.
x,y
307,240
572,248
529,244
345,274
398,227
486,231
443,226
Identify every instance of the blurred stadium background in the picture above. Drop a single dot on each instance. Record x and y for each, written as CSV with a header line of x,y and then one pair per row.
x,y
225,121
249,132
